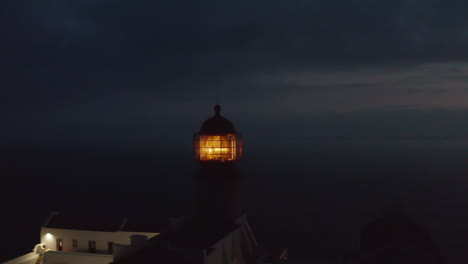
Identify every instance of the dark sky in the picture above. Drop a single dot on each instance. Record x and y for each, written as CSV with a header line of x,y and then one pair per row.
x,y
145,73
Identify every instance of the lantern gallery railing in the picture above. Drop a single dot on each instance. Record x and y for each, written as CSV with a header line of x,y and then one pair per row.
x,y
223,147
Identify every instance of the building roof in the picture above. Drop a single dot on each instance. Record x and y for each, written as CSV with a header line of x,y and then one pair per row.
x,y
151,225
217,124
156,250
200,235
185,245
107,224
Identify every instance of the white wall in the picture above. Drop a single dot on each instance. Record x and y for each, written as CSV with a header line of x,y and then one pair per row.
x,y
27,258
239,245
49,237
55,257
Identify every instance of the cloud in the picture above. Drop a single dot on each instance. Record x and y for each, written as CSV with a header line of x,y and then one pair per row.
x,y
90,62
300,31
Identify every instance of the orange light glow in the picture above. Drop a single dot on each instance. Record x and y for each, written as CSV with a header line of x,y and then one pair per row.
x,y
217,147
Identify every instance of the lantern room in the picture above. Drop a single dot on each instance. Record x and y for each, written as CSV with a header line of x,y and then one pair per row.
x,y
217,140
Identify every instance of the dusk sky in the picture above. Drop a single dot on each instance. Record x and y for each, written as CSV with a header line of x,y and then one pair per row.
x,y
99,100
146,73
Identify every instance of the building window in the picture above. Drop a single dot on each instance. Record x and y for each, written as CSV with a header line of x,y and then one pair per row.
x,y
59,244
110,247
75,243
92,246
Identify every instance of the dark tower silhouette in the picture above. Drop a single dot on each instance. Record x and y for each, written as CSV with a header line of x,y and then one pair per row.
x,y
218,147
220,233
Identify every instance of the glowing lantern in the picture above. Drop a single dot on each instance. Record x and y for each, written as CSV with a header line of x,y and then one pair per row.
x,y
217,140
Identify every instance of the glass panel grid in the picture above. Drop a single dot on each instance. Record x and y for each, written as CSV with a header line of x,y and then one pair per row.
x,y
223,147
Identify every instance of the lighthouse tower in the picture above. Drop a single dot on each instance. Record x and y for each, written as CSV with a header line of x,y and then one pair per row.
x,y
218,147
220,232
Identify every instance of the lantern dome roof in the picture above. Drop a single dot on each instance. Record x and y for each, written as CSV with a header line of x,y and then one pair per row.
x,y
217,124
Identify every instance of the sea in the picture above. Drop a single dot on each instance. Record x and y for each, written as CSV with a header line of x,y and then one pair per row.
x,y
311,196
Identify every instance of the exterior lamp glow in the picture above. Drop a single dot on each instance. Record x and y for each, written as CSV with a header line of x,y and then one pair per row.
x,y
49,236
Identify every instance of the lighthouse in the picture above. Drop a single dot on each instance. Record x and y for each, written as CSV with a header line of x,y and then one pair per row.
x,y
218,147
219,232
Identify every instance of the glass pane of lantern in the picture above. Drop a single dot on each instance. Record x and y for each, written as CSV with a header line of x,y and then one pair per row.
x,y
217,147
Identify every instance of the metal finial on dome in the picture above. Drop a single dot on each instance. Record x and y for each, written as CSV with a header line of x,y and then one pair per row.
x,y
217,109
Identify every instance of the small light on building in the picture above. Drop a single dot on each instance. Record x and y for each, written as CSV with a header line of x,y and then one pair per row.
x,y
49,236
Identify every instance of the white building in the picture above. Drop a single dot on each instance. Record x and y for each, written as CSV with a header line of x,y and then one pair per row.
x,y
78,240
72,240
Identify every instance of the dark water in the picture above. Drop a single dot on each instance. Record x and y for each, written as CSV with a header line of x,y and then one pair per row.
x,y
313,197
